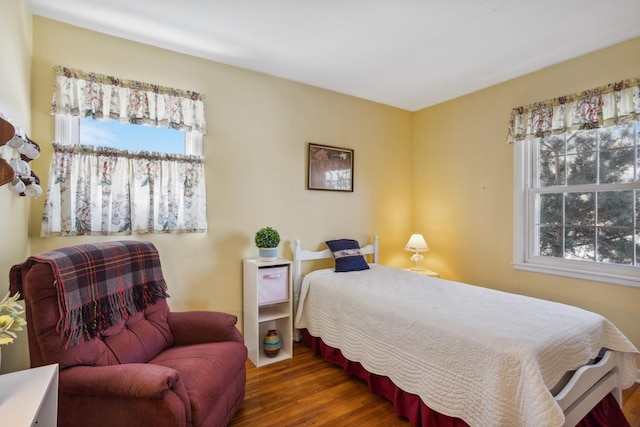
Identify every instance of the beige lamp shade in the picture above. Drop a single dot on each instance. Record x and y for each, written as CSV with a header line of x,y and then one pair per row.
x,y
416,243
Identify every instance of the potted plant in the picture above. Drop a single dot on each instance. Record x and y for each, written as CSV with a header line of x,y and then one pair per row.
x,y
267,240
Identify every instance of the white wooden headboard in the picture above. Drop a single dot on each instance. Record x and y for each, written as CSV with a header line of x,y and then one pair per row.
x,y
300,255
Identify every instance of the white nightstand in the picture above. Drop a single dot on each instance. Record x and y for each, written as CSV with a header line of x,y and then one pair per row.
x,y
30,397
424,272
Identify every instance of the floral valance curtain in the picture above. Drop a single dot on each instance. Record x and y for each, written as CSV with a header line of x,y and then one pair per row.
x,y
101,191
616,103
105,97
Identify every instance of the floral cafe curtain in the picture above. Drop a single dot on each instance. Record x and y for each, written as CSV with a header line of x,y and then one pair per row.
x,y
101,191
90,192
614,104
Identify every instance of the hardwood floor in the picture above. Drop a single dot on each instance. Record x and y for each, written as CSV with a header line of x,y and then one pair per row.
x,y
631,405
307,391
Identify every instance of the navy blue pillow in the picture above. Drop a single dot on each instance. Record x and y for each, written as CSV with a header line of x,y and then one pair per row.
x,y
347,255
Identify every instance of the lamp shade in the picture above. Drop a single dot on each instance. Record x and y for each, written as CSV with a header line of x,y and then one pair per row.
x,y
416,243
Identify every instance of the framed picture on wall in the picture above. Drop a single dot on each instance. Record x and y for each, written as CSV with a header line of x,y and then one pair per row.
x,y
329,168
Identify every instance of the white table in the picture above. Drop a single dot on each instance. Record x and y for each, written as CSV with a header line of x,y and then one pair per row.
x,y
30,397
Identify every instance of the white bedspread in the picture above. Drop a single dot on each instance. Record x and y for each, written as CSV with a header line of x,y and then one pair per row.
x,y
485,356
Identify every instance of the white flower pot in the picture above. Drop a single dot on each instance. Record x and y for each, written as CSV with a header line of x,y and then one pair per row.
x,y
268,254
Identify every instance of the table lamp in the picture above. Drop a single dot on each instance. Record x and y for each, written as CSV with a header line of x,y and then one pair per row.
x,y
416,244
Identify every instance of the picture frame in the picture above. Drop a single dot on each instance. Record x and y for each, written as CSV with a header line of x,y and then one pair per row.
x,y
329,168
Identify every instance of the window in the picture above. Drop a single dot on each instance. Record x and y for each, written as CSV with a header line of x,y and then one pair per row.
x,y
71,130
132,137
127,158
577,186
581,201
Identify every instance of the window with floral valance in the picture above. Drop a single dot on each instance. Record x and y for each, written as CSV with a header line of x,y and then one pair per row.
x,y
577,182
102,190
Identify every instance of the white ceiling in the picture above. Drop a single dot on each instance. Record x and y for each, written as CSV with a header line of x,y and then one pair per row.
x,y
405,53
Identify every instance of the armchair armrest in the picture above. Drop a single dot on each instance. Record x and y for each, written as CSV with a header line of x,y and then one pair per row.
x,y
134,380
196,327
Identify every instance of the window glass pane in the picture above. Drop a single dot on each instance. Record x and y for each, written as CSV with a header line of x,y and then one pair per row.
x,y
615,245
550,208
550,243
637,235
637,246
617,166
581,157
581,169
580,243
582,142
615,208
637,208
580,209
616,137
551,163
127,136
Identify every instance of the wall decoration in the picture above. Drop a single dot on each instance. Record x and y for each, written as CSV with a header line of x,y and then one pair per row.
x,y
329,168
17,172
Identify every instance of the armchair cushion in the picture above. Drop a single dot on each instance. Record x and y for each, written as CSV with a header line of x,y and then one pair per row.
x,y
209,373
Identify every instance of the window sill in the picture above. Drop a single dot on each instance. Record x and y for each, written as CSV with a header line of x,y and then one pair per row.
x,y
630,279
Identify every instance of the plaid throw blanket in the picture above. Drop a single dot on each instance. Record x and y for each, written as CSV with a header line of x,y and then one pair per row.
x,y
99,285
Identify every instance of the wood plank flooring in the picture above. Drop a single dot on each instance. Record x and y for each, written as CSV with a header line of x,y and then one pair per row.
x,y
307,391
631,405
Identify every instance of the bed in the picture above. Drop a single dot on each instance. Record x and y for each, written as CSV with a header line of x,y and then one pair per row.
x,y
452,354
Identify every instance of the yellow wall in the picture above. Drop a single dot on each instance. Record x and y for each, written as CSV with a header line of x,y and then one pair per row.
x,y
463,180
15,103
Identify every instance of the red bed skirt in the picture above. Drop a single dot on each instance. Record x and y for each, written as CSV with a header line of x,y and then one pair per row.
x,y
606,414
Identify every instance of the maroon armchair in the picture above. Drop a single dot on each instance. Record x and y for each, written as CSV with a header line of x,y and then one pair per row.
x,y
152,368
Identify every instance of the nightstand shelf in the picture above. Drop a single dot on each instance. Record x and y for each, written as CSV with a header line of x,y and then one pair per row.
x,y
272,313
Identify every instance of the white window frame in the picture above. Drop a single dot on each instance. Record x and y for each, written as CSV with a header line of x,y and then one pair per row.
x,y
524,238
68,133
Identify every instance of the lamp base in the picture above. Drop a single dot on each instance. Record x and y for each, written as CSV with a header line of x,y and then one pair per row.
x,y
416,262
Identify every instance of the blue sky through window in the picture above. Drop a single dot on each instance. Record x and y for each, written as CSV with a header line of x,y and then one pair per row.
x,y
126,136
